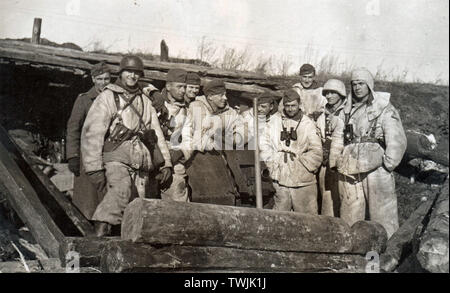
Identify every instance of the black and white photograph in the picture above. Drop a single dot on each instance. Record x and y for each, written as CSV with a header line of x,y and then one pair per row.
x,y
237,139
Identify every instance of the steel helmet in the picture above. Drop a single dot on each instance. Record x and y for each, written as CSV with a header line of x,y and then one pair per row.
x,y
133,63
336,86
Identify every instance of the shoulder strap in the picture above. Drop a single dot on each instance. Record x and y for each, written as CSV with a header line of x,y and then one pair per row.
x,y
130,103
117,101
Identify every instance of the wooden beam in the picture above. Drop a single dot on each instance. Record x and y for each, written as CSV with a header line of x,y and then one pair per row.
x,y
47,186
125,256
24,200
162,222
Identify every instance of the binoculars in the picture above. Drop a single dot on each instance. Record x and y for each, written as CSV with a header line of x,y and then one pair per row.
x,y
288,136
348,134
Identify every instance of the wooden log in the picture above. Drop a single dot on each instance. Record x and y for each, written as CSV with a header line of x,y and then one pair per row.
x,y
36,35
24,200
433,254
401,241
368,236
14,54
45,185
126,256
420,146
90,249
161,222
70,54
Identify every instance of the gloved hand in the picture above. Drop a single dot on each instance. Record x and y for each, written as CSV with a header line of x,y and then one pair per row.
x,y
98,179
176,155
286,149
158,103
149,137
74,166
315,115
164,175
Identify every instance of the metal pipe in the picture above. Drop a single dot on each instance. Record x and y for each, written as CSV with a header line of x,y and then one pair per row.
x,y
259,202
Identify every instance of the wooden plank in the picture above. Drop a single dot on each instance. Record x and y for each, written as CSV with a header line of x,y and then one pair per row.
x,y
162,222
83,224
125,256
23,198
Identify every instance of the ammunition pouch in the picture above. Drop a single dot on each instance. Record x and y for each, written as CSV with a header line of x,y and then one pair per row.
x,y
120,134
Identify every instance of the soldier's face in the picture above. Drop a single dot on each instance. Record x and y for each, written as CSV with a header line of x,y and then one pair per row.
x,y
102,80
360,89
176,90
264,109
307,80
292,108
130,77
219,100
192,90
332,97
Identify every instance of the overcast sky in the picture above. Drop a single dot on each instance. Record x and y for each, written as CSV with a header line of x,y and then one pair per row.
x,y
409,37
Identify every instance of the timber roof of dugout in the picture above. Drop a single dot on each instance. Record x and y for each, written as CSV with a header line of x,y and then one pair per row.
x,y
80,62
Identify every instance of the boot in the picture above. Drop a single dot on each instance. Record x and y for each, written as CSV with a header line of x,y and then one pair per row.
x,y
102,229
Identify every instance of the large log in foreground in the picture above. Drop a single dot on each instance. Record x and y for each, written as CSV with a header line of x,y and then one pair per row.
x,y
433,254
126,256
162,222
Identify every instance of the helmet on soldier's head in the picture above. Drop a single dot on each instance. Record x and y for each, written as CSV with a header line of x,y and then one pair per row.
x,y
131,62
334,85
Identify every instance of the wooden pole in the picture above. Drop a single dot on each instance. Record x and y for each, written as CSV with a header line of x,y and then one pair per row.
x,y
259,202
36,36
164,56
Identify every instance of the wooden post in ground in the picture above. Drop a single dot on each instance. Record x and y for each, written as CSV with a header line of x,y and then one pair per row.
x,y
164,56
36,37
259,201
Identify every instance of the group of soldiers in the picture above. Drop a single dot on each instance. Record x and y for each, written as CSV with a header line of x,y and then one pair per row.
x,y
326,152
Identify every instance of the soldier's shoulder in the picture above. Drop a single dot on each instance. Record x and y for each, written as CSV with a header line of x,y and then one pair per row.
x,y
392,112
